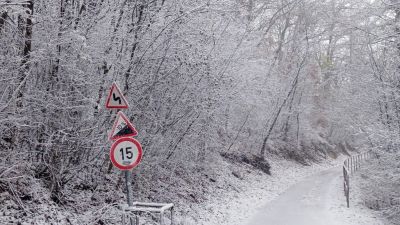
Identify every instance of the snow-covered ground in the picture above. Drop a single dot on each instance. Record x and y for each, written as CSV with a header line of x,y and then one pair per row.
x,y
242,195
293,189
358,213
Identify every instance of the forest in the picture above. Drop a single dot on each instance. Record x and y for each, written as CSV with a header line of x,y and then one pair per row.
x,y
209,83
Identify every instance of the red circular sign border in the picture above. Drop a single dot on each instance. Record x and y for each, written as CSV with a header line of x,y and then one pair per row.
x,y
139,158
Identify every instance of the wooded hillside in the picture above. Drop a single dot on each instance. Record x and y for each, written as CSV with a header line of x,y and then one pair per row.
x,y
234,80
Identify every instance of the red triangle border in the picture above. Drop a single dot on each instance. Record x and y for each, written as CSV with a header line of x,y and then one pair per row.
x,y
115,86
121,114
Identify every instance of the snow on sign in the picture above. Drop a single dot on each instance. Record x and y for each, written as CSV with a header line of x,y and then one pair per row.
x,y
126,153
122,128
116,99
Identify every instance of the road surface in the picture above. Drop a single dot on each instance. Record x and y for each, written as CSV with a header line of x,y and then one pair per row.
x,y
317,200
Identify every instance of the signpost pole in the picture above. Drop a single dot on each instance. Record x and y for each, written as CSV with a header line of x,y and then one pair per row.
x,y
128,193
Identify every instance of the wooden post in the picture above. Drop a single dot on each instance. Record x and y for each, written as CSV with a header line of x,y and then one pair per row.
x,y
348,192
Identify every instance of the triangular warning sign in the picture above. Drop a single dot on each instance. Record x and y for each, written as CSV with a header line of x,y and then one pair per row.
x,y
116,99
122,128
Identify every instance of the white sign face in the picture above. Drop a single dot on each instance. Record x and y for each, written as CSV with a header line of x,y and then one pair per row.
x,y
122,128
116,99
126,153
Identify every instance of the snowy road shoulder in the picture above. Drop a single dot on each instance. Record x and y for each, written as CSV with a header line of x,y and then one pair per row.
x,y
358,213
316,200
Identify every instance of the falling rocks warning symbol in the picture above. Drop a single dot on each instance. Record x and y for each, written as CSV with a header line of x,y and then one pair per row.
x,y
122,128
126,131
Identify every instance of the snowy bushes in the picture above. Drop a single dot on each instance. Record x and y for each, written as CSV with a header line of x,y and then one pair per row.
x,y
379,181
256,161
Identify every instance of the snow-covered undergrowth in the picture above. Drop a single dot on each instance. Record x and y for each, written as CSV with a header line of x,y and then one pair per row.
x,y
377,183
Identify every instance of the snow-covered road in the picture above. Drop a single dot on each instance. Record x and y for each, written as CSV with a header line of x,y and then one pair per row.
x,y
317,200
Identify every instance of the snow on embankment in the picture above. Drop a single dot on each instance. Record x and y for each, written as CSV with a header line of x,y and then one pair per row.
x,y
378,185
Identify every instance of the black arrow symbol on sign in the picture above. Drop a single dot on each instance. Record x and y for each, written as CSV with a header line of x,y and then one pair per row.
x,y
115,98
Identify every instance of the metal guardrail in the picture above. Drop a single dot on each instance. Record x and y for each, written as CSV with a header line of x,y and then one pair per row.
x,y
350,166
133,212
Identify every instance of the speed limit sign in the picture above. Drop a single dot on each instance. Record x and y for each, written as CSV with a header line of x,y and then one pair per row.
x,y
126,153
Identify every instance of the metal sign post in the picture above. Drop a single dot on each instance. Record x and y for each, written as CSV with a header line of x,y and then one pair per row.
x,y
128,194
126,152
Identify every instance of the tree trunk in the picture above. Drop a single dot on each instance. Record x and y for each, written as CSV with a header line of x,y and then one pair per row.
x,y
25,63
3,17
56,66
